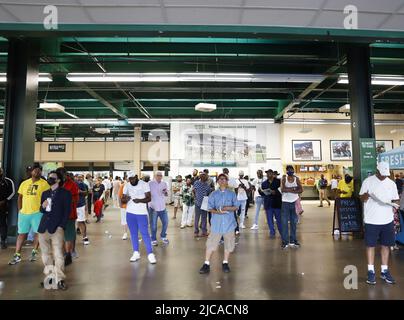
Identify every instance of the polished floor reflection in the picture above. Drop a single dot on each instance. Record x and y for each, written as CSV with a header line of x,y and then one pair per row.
x,y
260,269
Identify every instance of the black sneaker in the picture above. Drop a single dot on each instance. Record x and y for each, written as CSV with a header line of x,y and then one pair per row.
x,y
284,245
225,267
62,285
205,269
68,259
4,245
295,244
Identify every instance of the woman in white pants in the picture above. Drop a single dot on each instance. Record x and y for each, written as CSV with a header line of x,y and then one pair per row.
x,y
123,211
188,204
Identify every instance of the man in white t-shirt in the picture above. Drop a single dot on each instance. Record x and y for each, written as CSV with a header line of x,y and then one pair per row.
x,y
334,185
136,194
242,188
378,192
258,198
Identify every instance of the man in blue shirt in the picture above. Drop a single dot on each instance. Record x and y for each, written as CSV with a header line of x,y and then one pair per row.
x,y
222,204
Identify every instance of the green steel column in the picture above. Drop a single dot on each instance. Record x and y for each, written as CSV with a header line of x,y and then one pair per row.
x,y
20,113
362,115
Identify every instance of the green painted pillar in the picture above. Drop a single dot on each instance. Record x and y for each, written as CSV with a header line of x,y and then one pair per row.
x,y
362,114
20,114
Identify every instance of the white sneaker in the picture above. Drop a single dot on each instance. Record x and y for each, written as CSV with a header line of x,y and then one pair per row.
x,y
154,243
125,236
242,226
135,256
152,258
254,227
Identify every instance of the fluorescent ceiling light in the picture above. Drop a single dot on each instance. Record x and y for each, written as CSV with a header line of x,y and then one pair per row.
x,y
316,121
200,121
191,77
205,107
79,121
43,77
345,108
381,80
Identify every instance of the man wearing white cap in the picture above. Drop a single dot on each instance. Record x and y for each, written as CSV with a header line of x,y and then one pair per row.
x,y
378,192
136,194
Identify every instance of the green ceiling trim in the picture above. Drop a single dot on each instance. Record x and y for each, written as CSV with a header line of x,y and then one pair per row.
x,y
99,29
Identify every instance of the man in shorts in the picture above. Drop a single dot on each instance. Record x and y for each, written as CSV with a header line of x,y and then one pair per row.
x,y
222,204
177,186
29,216
378,193
81,208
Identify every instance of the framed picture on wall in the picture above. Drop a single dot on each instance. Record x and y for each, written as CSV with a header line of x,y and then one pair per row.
x,y
383,146
306,150
341,150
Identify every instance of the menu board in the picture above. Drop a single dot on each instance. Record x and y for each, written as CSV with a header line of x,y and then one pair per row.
x,y
349,213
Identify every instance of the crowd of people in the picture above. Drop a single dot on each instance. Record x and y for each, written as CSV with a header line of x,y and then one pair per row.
x,y
60,206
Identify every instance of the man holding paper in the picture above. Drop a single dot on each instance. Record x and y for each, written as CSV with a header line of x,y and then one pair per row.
x,y
379,195
222,204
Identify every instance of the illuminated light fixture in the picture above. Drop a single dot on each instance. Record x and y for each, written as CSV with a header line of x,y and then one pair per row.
x,y
219,121
380,80
51,107
194,77
205,107
42,77
79,121
102,130
345,108
55,107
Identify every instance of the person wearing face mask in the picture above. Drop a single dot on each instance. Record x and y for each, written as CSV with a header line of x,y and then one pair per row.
x,y
29,216
345,187
56,207
378,194
290,188
7,192
136,195
98,194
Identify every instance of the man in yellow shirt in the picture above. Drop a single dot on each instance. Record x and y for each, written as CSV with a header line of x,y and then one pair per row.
x,y
29,216
345,187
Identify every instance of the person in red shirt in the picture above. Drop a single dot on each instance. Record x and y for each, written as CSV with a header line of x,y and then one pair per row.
x,y
70,231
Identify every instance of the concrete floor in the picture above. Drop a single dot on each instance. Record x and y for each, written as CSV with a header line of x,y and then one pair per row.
x,y
260,269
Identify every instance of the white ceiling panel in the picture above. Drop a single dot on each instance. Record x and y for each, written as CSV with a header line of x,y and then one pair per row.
x,y
215,3
202,16
268,17
366,5
313,4
110,3
334,19
27,13
394,23
140,15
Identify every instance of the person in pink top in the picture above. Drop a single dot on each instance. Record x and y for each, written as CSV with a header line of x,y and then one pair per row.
x,y
157,205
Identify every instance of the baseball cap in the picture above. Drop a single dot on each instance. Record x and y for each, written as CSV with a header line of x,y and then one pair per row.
x,y
384,168
222,175
269,170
